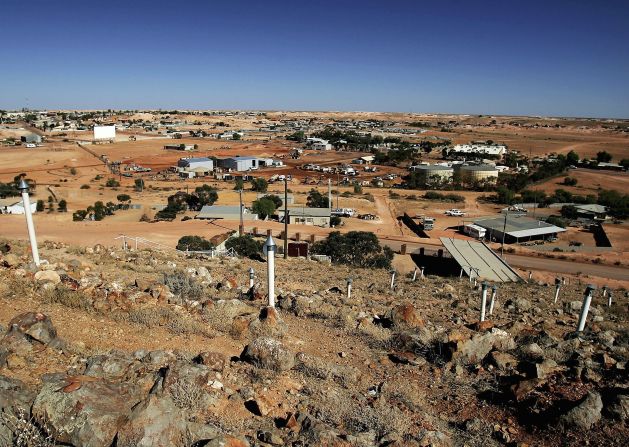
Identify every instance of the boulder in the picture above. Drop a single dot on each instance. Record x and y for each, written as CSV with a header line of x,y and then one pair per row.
x,y
156,421
503,360
404,316
47,276
269,323
586,413
14,395
213,360
269,353
619,408
83,410
474,350
32,326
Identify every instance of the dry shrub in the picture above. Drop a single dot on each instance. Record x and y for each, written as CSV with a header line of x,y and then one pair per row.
x,y
163,317
15,287
186,395
67,297
27,432
183,285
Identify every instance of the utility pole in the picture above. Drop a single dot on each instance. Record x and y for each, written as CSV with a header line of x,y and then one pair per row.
x,y
504,230
241,227
285,218
338,189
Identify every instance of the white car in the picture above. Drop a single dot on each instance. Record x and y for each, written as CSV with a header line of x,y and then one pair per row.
x,y
454,212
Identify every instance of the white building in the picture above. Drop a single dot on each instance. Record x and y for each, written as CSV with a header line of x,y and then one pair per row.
x,y
480,149
319,144
196,162
14,205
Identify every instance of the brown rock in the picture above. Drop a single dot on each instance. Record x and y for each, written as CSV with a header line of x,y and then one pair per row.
x,y
213,360
404,316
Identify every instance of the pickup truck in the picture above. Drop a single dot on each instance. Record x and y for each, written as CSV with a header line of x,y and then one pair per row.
x,y
454,212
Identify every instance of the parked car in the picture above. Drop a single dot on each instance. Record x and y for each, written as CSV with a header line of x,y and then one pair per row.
x,y
455,212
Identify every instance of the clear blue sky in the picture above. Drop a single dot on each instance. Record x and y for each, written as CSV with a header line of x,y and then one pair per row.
x,y
568,58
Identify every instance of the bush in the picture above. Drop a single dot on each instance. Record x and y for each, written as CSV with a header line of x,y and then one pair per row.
x,y
437,196
85,187
112,183
317,200
194,243
335,221
259,184
558,221
181,284
263,207
357,248
245,246
570,181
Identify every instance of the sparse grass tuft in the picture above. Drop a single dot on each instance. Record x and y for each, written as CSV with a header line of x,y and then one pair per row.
x,y
183,285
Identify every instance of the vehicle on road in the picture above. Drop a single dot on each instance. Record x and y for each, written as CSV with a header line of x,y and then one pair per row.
x,y
455,212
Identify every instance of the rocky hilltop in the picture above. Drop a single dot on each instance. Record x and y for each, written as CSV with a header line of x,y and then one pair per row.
x,y
102,347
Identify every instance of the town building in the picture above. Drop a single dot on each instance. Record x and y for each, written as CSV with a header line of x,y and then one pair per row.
x,y
31,138
432,174
13,205
517,229
592,211
225,212
497,150
307,216
476,173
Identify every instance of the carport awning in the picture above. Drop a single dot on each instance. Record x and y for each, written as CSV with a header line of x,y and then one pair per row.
x,y
476,258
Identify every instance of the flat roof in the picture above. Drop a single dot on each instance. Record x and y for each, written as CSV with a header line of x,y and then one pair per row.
x,y
305,211
196,159
476,258
518,226
593,208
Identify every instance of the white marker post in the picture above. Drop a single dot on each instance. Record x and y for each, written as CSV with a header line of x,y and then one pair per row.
x,y
483,301
557,288
421,271
349,288
604,291
587,299
269,250
251,277
609,299
392,279
492,302
415,274
26,202
530,275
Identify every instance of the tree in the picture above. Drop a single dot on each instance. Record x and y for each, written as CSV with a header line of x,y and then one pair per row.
x,y
275,199
194,243
123,198
73,171
240,184
317,200
236,136
335,221
259,184
358,189
263,207
570,181
625,163
207,195
572,158
298,136
112,183
79,215
139,184
245,246
62,206
41,206
603,157
357,248
505,195
569,211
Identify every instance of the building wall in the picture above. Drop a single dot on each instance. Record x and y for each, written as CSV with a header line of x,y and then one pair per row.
x,y
475,175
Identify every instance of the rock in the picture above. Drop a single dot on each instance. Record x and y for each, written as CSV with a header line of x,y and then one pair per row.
x,y
50,276
404,316
32,326
14,395
269,324
213,360
154,422
227,441
586,413
430,438
267,352
270,437
532,351
474,350
503,360
110,366
545,369
619,408
83,410
11,260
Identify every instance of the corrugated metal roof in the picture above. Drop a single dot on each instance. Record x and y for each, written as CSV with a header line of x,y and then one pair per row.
x,y
478,258
518,226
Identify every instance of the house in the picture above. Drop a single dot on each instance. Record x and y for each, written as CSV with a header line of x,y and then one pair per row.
x,y
319,144
13,205
196,162
479,149
224,212
31,138
610,166
307,216
239,164
592,211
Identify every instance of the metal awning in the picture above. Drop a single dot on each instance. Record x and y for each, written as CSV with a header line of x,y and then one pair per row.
x,y
477,259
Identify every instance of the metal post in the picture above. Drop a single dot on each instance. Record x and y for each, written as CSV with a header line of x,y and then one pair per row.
x,y
270,248
557,288
421,271
483,302
26,202
349,288
461,273
241,227
587,299
504,230
251,277
530,275
285,218
392,279
492,302
604,291
609,299
415,274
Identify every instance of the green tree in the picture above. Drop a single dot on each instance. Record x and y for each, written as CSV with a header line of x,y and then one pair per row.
x,y
317,200
263,207
236,136
41,206
357,248
207,195
194,243
123,198
298,136
572,158
603,157
569,211
358,189
79,215
275,199
245,246
240,184
62,206
625,163
570,181
112,183
259,184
